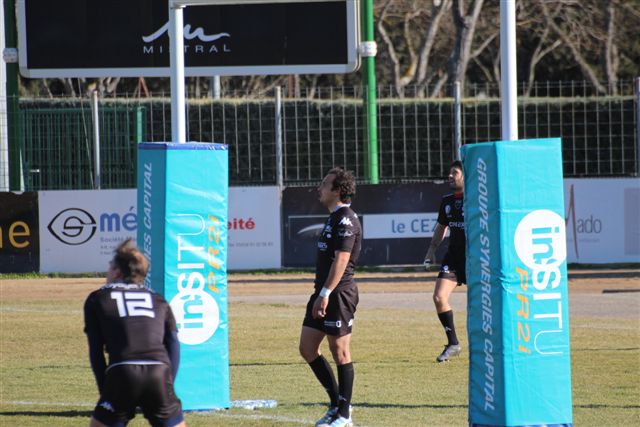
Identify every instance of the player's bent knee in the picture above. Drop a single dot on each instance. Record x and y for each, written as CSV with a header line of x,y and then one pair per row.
x,y
309,355
439,299
341,354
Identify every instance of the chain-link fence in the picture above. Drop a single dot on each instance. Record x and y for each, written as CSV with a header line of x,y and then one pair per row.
x,y
52,140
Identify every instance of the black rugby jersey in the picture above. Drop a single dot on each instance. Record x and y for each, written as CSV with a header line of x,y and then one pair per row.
x,y
451,214
130,321
341,232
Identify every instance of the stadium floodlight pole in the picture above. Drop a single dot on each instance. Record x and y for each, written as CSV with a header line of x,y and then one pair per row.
x,y
14,139
4,137
368,50
176,54
508,70
279,167
637,126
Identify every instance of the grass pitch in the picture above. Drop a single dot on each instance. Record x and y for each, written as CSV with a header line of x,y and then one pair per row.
x,y
45,379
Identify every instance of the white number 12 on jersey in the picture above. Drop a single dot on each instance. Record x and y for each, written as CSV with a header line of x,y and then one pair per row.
x,y
133,304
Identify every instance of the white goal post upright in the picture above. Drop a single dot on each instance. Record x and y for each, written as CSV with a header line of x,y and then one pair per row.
x,y
508,70
517,302
176,55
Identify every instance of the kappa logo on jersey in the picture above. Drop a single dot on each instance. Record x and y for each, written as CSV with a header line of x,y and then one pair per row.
x,y
107,405
345,221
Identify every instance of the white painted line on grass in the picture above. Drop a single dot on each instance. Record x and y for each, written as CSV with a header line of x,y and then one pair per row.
x,y
219,414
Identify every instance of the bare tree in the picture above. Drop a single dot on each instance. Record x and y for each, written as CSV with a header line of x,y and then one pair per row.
x,y
465,25
409,47
574,40
612,59
534,26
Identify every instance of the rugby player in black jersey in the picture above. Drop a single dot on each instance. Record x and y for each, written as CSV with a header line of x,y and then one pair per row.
x,y
331,308
136,327
452,269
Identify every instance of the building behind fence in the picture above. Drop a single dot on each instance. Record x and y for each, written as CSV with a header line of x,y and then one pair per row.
x,y
415,134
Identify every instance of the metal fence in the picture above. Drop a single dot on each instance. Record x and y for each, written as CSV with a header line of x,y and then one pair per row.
x,y
323,128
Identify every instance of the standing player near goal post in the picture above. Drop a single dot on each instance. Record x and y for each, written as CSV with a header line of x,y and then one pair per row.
x,y
452,270
331,308
137,329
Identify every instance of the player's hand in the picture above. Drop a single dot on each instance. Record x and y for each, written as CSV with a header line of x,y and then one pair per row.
x,y
320,307
429,258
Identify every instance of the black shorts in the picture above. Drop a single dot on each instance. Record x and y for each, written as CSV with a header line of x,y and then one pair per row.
x,y
149,387
340,312
453,268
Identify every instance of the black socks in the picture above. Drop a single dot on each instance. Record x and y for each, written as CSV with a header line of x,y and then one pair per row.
x,y
446,319
345,379
324,374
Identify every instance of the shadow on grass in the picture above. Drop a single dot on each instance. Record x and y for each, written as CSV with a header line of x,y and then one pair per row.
x,y
267,364
574,350
363,277
391,405
601,406
61,414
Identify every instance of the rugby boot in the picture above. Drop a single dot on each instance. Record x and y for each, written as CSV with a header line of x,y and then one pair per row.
x,y
331,416
342,422
449,352
327,419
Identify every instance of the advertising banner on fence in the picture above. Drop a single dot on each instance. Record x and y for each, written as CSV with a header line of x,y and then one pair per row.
x,y
517,305
603,220
19,240
79,229
254,228
397,221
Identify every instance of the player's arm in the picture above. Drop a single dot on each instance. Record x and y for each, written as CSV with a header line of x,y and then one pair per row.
x,y
172,345
96,345
171,342
96,358
438,236
339,265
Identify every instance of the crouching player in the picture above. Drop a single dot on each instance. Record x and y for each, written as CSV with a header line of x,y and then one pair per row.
x,y
138,331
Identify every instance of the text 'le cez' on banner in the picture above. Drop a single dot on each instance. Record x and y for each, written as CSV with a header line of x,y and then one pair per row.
x,y
403,226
